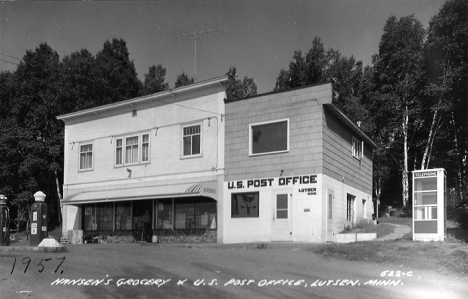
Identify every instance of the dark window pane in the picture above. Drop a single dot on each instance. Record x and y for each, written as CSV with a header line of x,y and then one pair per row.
x,y
271,137
106,216
282,201
164,213
282,214
195,144
123,215
90,217
187,146
245,205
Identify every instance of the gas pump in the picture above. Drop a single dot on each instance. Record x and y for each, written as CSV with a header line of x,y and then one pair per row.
x,y
38,219
4,222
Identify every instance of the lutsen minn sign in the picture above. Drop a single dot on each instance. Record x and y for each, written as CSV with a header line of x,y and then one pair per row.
x,y
270,182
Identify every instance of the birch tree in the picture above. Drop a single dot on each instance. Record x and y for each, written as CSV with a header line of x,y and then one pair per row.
x,y
399,74
447,56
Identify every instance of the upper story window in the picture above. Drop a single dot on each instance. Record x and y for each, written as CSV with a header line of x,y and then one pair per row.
x,y
86,156
270,137
132,149
191,141
357,148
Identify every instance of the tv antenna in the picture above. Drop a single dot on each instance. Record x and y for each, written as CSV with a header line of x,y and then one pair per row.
x,y
197,34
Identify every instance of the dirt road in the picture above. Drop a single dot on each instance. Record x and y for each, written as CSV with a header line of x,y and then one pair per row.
x,y
210,271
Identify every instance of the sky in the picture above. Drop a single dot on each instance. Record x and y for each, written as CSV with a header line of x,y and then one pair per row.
x,y
258,37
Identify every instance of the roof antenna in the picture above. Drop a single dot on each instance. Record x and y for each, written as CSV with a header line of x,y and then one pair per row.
x,y
198,34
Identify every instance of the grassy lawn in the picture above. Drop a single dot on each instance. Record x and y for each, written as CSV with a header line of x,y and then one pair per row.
x,y
449,257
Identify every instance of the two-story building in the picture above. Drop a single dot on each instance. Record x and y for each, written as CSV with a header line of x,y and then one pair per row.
x,y
297,169
153,163
188,165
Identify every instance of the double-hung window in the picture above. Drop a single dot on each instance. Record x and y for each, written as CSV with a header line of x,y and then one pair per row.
x,y
86,156
357,148
132,149
191,141
269,137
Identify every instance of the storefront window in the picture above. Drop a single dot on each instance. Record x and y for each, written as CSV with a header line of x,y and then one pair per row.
x,y
140,208
244,205
164,213
195,213
184,214
106,216
123,215
205,215
90,217
190,213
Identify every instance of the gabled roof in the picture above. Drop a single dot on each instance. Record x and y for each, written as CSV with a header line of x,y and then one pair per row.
x,y
342,117
152,97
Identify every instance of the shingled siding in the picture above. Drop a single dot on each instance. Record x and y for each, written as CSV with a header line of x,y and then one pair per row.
x,y
338,161
303,109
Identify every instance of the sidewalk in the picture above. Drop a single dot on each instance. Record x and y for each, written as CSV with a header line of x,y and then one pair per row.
x,y
398,233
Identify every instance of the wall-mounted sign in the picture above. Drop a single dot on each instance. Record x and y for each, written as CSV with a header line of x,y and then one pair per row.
x,y
425,174
274,182
309,191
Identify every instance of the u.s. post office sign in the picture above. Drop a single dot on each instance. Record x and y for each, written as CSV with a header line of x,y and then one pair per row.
x,y
309,179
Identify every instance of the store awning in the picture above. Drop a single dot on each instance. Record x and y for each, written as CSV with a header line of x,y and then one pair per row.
x,y
208,189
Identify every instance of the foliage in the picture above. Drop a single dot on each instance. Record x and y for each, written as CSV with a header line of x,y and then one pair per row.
x,y
367,226
350,79
240,89
42,87
154,80
183,80
398,81
461,212
447,64
115,73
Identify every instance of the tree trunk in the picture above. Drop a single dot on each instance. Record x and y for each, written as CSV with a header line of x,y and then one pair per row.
x,y
405,184
429,143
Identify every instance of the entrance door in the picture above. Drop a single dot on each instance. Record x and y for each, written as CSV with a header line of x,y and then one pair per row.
x,y
282,217
330,215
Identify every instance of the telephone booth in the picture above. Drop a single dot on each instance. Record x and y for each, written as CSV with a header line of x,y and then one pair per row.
x,y
38,219
429,205
4,222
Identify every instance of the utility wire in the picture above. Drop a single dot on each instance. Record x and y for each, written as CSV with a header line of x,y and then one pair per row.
x,y
10,56
8,62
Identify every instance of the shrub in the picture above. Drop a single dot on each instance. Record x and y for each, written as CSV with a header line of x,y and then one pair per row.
x,y
364,223
462,214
